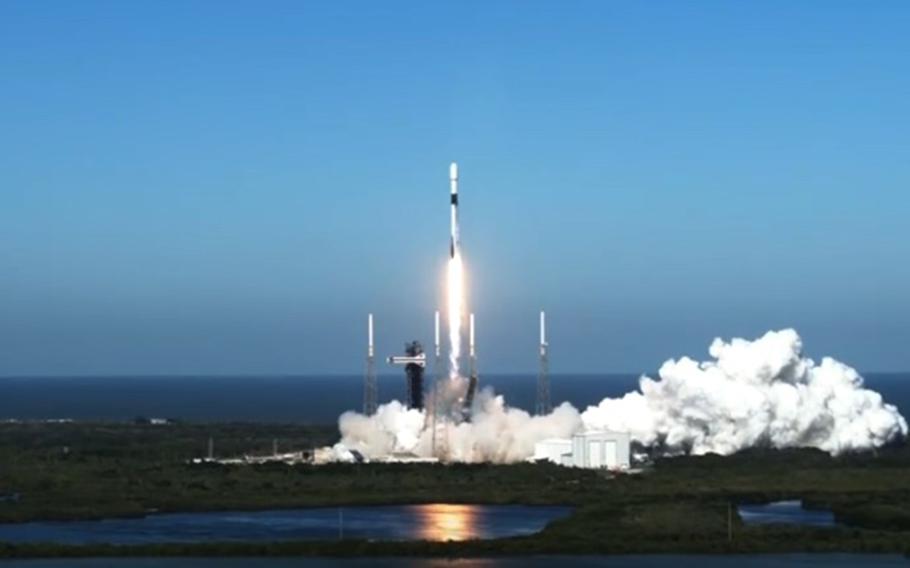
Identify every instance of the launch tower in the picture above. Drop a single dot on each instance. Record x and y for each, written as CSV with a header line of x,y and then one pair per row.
x,y
414,361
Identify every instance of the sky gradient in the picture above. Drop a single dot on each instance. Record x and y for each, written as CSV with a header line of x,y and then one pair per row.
x,y
229,187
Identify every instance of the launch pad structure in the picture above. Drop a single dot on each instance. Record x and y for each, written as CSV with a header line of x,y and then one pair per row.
x,y
444,407
415,363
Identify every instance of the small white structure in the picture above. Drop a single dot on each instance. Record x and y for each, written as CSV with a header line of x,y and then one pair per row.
x,y
593,449
556,450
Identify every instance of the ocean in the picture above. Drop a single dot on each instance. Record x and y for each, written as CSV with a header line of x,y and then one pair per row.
x,y
302,399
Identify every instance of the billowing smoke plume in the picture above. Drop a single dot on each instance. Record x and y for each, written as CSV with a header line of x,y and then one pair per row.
x,y
495,433
761,392
751,393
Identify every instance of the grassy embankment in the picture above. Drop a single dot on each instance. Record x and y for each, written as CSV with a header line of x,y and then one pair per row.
x,y
75,471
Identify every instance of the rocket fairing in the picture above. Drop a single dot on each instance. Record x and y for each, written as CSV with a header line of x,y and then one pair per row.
x,y
454,243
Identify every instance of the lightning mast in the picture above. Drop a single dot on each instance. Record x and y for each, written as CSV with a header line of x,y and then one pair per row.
x,y
544,406
439,424
370,387
472,369
472,353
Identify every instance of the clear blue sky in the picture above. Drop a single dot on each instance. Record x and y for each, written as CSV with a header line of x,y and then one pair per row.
x,y
228,187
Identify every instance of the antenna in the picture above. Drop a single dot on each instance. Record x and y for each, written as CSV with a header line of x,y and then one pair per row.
x,y
544,406
370,387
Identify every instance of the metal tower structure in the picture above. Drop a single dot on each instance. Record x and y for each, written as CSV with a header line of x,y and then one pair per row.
x,y
472,352
544,406
438,423
414,362
472,369
370,386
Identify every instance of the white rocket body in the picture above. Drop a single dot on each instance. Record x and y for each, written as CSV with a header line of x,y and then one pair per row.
x,y
370,350
543,333
454,243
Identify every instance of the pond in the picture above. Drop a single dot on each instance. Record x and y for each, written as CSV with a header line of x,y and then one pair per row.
x,y
438,522
785,512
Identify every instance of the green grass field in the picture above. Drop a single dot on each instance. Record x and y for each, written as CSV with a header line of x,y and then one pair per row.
x,y
84,470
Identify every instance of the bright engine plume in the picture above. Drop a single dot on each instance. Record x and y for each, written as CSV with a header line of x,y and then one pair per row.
x,y
456,309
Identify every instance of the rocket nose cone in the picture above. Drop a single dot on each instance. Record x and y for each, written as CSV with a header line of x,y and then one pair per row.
x,y
453,171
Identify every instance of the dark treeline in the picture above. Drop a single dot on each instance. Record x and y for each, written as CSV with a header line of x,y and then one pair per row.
x,y
79,471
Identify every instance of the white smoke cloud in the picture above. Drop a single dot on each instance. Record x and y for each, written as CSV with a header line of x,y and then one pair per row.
x,y
495,433
499,434
752,392
393,429
761,392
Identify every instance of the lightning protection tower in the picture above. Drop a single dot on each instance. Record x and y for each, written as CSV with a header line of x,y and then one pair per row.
x,y
472,369
438,420
370,387
544,406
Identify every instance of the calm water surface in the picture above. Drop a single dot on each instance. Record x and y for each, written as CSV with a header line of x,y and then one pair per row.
x,y
409,522
785,512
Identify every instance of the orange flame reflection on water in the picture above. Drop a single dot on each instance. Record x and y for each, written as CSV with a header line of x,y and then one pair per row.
x,y
447,522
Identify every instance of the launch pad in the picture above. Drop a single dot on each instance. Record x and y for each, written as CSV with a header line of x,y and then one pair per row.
x,y
453,391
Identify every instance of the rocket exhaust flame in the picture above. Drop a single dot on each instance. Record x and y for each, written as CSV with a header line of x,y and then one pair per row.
x,y
456,309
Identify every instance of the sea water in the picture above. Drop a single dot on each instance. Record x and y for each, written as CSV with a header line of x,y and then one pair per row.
x,y
307,399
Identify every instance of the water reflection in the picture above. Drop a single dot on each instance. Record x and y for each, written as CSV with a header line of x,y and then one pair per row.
x,y
437,522
447,522
785,512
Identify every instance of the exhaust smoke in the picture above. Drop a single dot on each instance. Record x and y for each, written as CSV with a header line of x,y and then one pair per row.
x,y
749,393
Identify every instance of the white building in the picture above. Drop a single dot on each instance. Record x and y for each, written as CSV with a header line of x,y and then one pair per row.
x,y
601,449
593,449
